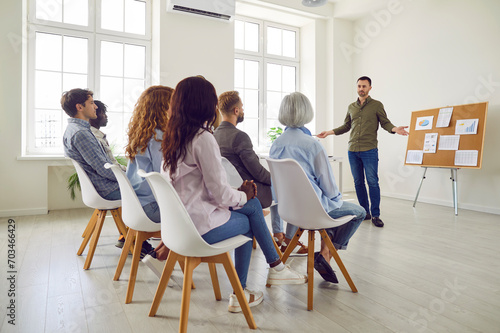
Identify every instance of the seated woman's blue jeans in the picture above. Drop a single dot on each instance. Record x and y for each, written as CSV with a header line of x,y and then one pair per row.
x,y
340,235
248,221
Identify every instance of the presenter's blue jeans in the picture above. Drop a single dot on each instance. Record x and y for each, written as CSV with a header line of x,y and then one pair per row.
x,y
366,163
340,235
248,221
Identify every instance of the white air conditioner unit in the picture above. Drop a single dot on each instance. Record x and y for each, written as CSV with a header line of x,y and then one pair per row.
x,y
217,9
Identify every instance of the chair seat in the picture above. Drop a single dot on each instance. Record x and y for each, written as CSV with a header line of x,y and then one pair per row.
x,y
216,248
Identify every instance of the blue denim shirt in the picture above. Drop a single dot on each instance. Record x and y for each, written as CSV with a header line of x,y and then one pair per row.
x,y
296,144
149,161
82,146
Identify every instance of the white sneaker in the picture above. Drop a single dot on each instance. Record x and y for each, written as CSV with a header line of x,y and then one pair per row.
x,y
285,276
154,264
253,297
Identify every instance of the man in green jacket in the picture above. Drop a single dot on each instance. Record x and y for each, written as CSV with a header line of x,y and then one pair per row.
x,y
363,118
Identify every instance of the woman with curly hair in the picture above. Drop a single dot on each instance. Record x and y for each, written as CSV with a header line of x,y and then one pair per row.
x,y
145,135
192,161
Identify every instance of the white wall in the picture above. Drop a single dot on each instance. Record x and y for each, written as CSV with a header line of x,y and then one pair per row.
x,y
428,54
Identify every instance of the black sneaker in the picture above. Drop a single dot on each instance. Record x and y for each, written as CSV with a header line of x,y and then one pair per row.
x,y
368,216
146,248
377,222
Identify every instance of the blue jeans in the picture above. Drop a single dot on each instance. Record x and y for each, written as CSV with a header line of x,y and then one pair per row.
x,y
366,162
115,195
248,221
277,223
152,211
340,235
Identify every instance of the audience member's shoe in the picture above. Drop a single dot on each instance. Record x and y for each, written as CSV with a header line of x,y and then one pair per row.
x,y
154,264
302,249
253,297
146,249
368,216
377,222
285,276
324,269
120,242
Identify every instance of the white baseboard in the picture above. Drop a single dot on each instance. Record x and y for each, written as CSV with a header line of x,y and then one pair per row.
x,y
23,212
446,203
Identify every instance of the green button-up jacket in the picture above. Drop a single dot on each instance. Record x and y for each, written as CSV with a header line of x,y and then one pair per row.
x,y
364,120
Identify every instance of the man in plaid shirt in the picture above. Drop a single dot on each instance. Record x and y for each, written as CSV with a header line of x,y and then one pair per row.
x,y
82,146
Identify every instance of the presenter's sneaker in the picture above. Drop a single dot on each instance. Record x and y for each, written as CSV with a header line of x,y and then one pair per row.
x,y
368,216
285,276
377,222
253,297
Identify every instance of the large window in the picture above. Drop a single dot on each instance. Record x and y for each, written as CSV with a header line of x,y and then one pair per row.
x,y
266,68
103,45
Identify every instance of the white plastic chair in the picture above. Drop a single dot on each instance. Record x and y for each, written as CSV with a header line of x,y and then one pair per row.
x,y
140,228
233,177
92,199
185,243
299,205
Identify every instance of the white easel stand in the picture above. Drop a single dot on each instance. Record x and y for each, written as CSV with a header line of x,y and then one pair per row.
x,y
454,186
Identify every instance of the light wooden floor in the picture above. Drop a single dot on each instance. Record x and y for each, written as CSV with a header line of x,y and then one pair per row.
x,y
425,271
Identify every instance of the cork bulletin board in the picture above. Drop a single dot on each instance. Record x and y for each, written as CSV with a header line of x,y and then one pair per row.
x,y
433,142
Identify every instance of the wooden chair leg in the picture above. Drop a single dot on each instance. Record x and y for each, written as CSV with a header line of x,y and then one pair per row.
x,y
117,216
254,244
339,262
126,247
90,225
191,263
88,233
292,245
95,237
182,265
162,285
310,270
238,289
139,238
215,280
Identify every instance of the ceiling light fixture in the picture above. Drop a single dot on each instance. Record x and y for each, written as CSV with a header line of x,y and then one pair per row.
x,y
314,3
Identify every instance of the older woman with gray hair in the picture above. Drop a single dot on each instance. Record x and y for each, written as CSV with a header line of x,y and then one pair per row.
x,y
297,143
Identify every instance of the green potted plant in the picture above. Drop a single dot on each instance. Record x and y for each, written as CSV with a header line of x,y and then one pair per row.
x,y
274,132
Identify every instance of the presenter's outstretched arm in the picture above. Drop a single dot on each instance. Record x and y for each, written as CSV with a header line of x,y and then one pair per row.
x,y
324,134
400,130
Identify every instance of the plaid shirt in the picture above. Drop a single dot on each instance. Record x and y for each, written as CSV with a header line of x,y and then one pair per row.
x,y
82,146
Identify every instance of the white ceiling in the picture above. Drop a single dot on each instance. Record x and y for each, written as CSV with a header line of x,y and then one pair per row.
x,y
354,9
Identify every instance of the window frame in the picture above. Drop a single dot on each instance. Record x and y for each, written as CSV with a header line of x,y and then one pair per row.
x,y
264,58
94,34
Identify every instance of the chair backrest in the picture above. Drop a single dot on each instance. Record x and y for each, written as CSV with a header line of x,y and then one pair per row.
x,y
233,177
178,231
90,196
132,213
298,204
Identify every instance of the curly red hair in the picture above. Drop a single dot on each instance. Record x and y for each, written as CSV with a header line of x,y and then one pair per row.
x,y
150,113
